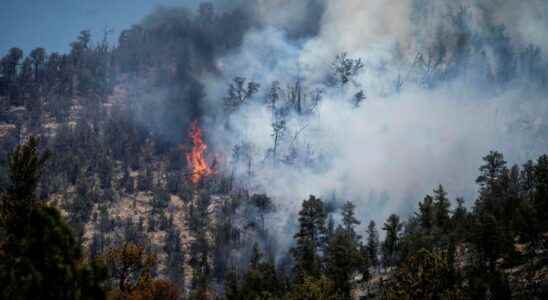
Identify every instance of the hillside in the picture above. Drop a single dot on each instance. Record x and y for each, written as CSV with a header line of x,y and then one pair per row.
x,y
281,150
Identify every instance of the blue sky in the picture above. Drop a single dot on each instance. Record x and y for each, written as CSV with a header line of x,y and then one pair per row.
x,y
53,24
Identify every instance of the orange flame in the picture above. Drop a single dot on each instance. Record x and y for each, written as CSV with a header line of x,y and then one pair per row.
x,y
196,158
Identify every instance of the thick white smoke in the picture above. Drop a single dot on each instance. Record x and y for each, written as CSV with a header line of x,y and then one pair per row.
x,y
399,144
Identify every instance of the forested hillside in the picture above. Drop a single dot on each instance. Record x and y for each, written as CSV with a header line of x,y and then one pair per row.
x,y
280,150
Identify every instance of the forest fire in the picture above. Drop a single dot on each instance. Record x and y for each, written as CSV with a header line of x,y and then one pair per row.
x,y
196,157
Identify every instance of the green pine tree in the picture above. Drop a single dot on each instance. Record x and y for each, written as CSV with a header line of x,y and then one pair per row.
x,y
310,239
39,256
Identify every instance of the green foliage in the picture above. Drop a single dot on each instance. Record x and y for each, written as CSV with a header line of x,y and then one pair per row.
x,y
39,257
24,170
45,262
345,261
200,247
540,198
425,275
373,244
349,220
490,182
96,148
391,246
426,214
226,237
460,220
261,281
441,205
310,239
312,288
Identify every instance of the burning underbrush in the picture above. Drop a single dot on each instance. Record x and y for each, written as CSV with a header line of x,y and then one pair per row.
x,y
196,158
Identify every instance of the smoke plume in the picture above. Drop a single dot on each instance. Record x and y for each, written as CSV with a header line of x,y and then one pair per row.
x,y
418,127
439,84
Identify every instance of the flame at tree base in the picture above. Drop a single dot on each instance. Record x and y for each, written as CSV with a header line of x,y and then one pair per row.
x,y
196,157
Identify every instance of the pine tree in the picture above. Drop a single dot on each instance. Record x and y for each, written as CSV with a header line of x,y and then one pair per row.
x,y
259,282
25,167
540,200
424,275
426,214
200,247
391,245
310,239
372,244
40,258
175,256
312,288
344,260
349,221
490,182
441,206
491,236
459,220
513,200
226,236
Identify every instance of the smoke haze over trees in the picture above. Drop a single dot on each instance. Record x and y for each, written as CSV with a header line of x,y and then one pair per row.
x,y
383,110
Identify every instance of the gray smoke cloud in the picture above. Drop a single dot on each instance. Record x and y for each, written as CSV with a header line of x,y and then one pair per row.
x,y
526,21
437,98
397,145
